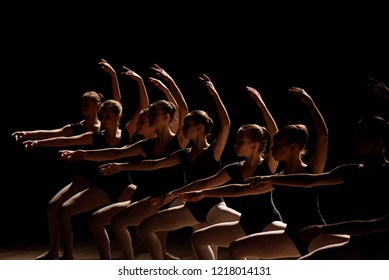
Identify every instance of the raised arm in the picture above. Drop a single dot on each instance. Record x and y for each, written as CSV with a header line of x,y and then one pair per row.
x,y
116,95
269,121
143,100
225,123
182,106
169,96
319,157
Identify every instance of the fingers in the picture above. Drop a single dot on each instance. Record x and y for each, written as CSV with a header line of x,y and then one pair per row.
x,y
158,201
106,169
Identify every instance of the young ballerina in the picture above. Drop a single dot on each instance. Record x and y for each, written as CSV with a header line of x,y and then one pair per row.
x,y
288,144
366,182
298,207
92,139
354,228
201,160
102,217
251,143
92,189
90,104
161,114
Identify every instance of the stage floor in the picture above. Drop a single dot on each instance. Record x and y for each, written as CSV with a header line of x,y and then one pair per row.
x,y
178,244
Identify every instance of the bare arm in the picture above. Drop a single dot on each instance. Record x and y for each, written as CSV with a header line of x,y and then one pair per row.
x,y
205,183
319,157
62,141
225,122
301,180
43,133
116,95
148,164
269,121
353,228
105,154
178,96
143,100
232,190
169,96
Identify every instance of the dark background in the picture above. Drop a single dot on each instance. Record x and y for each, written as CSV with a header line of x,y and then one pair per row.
x,y
51,54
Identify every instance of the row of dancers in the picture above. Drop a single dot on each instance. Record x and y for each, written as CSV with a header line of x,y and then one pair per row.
x,y
163,171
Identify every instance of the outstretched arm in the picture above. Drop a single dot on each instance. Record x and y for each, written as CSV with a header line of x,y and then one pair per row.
x,y
232,190
319,157
225,122
354,227
147,164
105,154
205,183
62,141
43,133
300,180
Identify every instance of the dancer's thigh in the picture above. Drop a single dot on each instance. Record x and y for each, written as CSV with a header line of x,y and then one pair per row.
x,y
77,185
221,234
127,193
340,251
169,219
105,214
267,245
275,225
84,201
135,213
221,213
327,239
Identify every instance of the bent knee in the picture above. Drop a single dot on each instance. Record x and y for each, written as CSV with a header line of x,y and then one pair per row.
x,y
128,193
233,250
199,237
64,212
145,227
93,221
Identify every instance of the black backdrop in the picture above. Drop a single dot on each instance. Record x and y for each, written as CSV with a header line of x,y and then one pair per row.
x,y
51,54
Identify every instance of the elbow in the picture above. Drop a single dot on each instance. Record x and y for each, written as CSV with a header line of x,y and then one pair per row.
x,y
309,182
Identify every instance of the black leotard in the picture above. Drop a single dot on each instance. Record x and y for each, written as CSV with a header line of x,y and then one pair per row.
x,y
257,211
204,166
367,199
156,182
299,208
113,184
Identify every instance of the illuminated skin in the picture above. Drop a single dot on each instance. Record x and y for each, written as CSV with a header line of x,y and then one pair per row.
x,y
250,144
288,145
202,156
369,189
90,105
161,115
